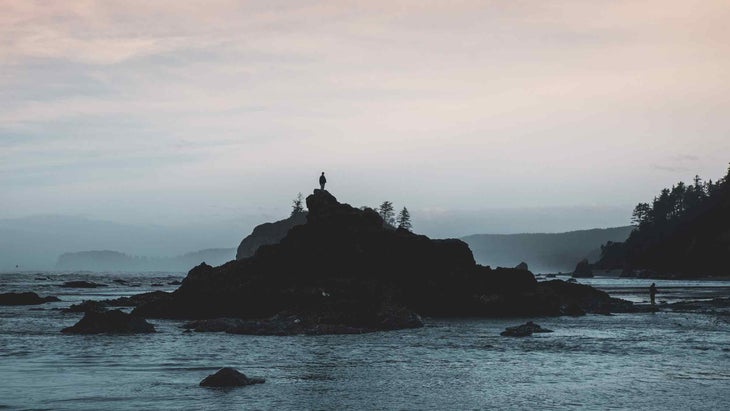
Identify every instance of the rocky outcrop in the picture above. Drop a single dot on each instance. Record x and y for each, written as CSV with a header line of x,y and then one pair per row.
x,y
82,284
522,266
103,305
583,269
268,233
137,299
343,270
229,377
524,330
393,319
28,298
86,306
112,322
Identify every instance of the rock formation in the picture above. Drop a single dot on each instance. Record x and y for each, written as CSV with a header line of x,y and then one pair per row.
x,y
343,270
82,284
27,298
583,269
228,377
268,233
524,330
112,322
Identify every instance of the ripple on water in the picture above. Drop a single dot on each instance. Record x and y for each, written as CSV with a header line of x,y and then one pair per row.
x,y
638,361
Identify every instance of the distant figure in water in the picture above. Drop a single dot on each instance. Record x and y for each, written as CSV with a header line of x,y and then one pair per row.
x,y
322,180
652,293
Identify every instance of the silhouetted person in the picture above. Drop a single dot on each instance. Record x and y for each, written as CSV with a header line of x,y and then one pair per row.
x,y
322,180
652,293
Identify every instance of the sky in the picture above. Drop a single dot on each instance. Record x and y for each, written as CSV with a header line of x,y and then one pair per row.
x,y
172,112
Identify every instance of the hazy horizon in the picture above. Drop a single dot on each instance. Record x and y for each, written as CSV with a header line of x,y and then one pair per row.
x,y
169,112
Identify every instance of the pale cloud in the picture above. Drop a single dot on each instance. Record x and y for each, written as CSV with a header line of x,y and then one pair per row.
x,y
456,98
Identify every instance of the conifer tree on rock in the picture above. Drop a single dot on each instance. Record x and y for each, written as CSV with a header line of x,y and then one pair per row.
x,y
404,219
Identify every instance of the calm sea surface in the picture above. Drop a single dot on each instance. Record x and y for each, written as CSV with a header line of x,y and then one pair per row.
x,y
628,361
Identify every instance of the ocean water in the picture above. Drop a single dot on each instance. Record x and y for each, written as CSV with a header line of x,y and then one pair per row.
x,y
628,361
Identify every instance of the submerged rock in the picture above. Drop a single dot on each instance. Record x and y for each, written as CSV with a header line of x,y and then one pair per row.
x,y
82,284
28,298
86,306
229,377
214,324
524,330
138,299
302,325
113,322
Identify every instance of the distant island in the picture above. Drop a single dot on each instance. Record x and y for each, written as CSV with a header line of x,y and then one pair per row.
x,y
544,252
683,232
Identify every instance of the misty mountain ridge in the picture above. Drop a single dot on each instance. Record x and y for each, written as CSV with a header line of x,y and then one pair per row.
x,y
543,252
108,260
36,242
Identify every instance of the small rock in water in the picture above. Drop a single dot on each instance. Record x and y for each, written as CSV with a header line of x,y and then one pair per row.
x,y
229,377
86,306
116,322
524,330
28,298
82,284
175,282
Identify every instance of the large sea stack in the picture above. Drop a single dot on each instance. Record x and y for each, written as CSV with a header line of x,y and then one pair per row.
x,y
344,269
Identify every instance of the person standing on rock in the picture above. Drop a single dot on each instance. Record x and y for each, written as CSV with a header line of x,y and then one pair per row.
x,y
322,181
652,293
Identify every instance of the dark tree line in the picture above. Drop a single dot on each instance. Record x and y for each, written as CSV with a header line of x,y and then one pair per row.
x,y
676,230
675,203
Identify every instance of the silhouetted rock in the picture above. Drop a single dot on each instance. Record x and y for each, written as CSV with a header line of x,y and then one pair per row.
x,y
28,298
229,377
343,271
583,269
522,266
214,324
524,330
268,233
391,318
86,306
82,284
138,299
113,322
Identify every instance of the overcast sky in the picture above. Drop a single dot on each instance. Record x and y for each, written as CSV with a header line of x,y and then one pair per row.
x,y
140,111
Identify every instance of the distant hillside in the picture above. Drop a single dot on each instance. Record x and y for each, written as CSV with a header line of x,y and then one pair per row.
x,y
685,231
106,260
35,242
543,252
